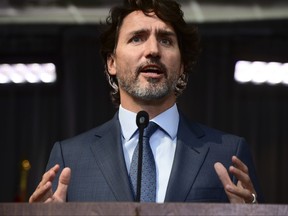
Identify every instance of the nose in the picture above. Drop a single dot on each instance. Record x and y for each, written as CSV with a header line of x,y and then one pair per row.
x,y
152,48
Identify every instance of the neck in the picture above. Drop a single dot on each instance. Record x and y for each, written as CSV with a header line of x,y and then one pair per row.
x,y
152,107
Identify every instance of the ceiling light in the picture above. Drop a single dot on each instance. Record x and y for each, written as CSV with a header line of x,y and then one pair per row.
x,y
259,72
27,73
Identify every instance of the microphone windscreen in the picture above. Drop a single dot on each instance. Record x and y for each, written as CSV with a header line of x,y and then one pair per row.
x,y
142,119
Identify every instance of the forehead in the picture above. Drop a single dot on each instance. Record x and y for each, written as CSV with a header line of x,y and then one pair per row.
x,y
138,20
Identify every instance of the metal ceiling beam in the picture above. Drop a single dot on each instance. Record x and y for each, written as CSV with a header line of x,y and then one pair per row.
x,y
193,10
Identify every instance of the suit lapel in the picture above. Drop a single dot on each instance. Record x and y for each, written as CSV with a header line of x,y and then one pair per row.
x,y
189,157
109,156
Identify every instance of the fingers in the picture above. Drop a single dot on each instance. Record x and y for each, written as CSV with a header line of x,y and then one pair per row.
x,y
239,164
242,192
44,189
227,183
64,179
241,172
222,174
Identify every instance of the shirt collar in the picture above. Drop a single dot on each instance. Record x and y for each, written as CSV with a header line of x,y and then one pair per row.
x,y
167,120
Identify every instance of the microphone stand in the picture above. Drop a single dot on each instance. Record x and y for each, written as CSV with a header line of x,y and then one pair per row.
x,y
142,120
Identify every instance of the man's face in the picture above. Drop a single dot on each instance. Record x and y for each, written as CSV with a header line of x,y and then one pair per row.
x,y
146,60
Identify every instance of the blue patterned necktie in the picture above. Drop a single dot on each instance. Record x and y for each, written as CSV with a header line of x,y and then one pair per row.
x,y
148,180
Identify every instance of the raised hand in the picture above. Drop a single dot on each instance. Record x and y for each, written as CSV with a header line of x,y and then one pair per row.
x,y
244,191
44,193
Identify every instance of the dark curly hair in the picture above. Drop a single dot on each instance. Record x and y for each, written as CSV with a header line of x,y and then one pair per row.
x,y
168,11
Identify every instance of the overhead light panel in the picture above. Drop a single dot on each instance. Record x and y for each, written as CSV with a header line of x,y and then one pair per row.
x,y
259,72
28,73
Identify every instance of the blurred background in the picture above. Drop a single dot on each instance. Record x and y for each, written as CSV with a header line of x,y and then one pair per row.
x,y
52,84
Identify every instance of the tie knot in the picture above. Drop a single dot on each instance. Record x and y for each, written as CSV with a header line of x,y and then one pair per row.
x,y
150,129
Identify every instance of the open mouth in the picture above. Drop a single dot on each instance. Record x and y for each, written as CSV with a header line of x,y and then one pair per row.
x,y
152,69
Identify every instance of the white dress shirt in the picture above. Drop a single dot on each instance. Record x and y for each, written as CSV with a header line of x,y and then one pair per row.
x,y
163,144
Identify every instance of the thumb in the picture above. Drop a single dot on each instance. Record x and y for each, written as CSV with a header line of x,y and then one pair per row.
x,y
222,174
64,179
227,183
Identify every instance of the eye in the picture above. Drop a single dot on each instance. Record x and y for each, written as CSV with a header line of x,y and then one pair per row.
x,y
166,41
136,39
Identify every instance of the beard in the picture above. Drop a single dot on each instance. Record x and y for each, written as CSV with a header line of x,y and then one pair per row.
x,y
153,88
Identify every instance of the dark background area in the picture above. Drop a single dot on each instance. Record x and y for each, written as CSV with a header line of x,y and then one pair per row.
x,y
20,3
34,116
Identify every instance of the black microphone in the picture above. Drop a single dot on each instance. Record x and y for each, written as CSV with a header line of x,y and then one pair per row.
x,y
142,121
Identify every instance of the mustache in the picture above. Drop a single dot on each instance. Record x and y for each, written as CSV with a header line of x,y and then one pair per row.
x,y
155,62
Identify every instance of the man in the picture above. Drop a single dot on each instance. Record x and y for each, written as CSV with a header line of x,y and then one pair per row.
x,y
148,51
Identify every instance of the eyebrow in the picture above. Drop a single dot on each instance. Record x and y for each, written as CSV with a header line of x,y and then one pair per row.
x,y
161,32
138,32
164,32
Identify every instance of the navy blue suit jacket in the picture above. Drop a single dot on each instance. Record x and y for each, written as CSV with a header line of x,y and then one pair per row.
x,y
99,172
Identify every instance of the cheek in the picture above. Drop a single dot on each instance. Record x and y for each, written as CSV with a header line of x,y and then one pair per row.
x,y
175,64
127,64
123,61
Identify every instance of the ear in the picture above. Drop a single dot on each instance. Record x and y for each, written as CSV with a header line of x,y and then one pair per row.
x,y
111,64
